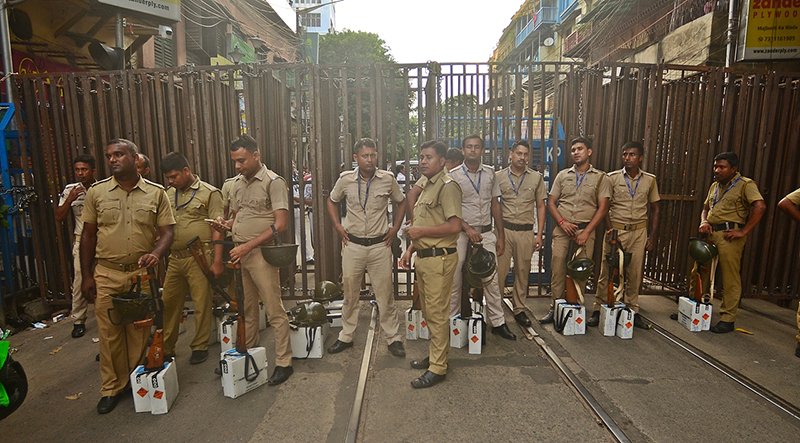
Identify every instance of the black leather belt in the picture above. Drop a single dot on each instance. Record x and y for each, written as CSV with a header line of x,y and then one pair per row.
x,y
727,225
516,227
435,252
483,229
583,225
366,241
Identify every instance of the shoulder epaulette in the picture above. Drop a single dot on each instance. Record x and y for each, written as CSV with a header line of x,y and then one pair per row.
x,y
231,178
100,181
618,171
152,183
209,186
346,173
648,174
746,180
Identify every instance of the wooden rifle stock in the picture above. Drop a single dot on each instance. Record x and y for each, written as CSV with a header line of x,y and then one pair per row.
x,y
241,330
613,270
155,356
572,291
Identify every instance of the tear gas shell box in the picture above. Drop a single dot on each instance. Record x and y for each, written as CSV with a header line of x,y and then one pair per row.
x,y
233,366
334,305
608,319
476,330
479,308
624,318
459,336
412,318
694,316
570,319
335,320
308,341
154,391
226,328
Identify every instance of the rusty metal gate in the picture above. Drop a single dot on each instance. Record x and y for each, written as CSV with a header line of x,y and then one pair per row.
x,y
311,116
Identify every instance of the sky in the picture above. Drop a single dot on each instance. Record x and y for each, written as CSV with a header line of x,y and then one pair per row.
x,y
417,31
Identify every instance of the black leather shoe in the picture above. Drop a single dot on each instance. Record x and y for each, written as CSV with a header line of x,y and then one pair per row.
x,y
594,320
797,351
339,346
639,323
78,330
427,380
280,375
673,317
522,319
421,364
722,327
504,332
397,349
198,357
107,404
547,318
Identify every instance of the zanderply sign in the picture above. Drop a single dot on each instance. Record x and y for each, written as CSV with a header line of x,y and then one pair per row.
x,y
167,9
769,29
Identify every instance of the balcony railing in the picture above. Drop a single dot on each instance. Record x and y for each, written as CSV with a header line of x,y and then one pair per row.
x,y
577,37
565,7
546,14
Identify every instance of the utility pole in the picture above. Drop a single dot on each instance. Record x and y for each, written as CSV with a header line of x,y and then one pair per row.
x,y
5,43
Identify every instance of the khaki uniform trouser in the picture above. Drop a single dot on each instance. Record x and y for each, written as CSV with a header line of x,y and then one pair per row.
x,y
519,245
261,281
80,306
185,277
491,288
730,264
798,324
634,243
560,246
377,261
434,280
121,347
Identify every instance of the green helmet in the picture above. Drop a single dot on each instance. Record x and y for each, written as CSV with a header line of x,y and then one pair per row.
x,y
580,268
311,314
701,250
482,263
327,291
279,255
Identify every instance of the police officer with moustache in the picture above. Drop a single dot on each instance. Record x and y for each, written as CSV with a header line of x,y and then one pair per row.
x,y
71,200
789,205
121,215
259,200
367,240
480,204
633,192
731,199
579,201
434,235
192,201
522,190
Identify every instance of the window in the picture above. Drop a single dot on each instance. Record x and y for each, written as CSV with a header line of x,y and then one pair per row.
x,y
164,52
312,20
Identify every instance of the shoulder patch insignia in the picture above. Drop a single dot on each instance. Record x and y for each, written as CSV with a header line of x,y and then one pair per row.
x,y
152,183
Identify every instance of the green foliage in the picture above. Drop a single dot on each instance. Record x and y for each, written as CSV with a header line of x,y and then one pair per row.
x,y
353,47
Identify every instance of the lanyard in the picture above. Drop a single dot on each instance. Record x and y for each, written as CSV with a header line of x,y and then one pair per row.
x,y
632,191
478,187
366,197
177,208
516,189
716,200
579,180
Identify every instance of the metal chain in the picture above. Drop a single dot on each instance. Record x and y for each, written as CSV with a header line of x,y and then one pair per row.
x,y
580,111
23,197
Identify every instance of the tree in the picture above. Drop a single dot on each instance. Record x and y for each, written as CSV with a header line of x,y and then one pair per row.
x,y
353,47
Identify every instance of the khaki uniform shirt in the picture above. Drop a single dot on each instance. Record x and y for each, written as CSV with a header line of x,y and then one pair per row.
x,y
255,202
631,209
439,201
577,204
199,202
732,205
794,197
367,202
519,194
478,189
226,191
76,206
127,222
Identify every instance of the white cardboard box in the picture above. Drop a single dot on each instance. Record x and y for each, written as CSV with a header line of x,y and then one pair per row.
x,y
262,316
424,332
557,307
694,316
308,342
475,331
478,308
155,391
624,318
335,319
608,319
572,318
458,332
412,323
227,332
233,365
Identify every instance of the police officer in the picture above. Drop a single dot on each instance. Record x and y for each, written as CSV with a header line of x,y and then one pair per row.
x,y
789,205
71,200
367,240
522,190
192,201
121,215
480,204
579,200
434,236
259,200
730,200
633,192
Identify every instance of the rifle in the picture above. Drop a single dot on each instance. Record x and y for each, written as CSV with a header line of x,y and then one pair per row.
x,y
571,289
613,270
155,356
241,342
196,248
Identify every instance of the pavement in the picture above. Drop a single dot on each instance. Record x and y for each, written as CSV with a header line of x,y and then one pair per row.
x,y
655,391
